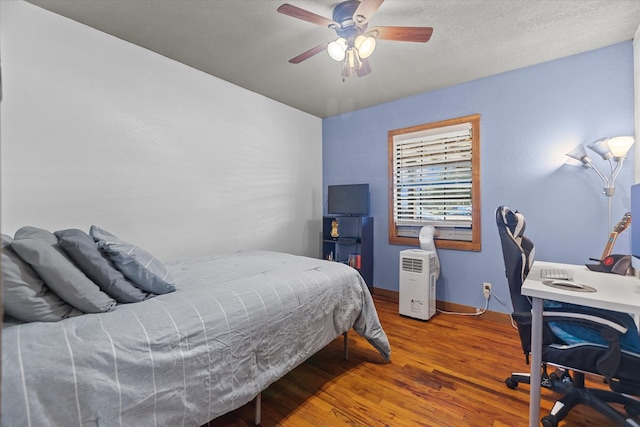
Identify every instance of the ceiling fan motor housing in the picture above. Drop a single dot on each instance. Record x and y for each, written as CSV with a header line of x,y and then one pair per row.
x,y
343,15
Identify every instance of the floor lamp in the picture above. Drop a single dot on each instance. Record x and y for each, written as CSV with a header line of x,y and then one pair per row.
x,y
614,150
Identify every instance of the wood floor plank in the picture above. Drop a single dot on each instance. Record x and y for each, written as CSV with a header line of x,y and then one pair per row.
x,y
447,371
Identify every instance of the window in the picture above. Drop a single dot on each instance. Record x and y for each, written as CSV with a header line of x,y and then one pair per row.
x,y
434,179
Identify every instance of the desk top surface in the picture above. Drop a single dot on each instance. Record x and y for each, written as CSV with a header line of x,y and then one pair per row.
x,y
613,291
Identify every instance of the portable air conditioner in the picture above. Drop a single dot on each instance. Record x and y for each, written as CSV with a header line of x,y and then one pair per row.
x,y
418,283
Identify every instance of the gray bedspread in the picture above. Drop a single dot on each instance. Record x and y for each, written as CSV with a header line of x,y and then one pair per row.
x,y
238,323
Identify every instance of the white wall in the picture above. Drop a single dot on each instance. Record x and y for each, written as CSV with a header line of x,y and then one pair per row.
x,y
96,130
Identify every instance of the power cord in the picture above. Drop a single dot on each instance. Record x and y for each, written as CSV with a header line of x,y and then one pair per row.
x,y
479,312
500,300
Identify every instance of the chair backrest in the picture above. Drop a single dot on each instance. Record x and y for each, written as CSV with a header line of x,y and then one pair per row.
x,y
518,253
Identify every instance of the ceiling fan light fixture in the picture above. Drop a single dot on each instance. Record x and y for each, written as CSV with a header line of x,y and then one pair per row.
x,y
365,45
337,49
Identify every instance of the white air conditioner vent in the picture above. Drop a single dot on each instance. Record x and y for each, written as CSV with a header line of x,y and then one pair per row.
x,y
413,265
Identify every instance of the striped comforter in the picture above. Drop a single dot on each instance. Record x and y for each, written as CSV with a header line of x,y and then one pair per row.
x,y
238,323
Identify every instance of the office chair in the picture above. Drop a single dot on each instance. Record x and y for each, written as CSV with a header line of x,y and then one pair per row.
x,y
620,368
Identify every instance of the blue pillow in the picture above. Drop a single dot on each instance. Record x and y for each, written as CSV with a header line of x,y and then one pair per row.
x,y
24,295
41,250
84,252
137,265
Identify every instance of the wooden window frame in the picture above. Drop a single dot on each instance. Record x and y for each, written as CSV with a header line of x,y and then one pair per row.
x,y
474,244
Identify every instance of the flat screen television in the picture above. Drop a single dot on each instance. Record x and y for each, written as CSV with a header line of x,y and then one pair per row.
x,y
352,199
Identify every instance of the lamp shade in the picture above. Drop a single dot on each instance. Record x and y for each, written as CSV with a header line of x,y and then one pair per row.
x,y
337,49
579,154
620,145
601,147
365,45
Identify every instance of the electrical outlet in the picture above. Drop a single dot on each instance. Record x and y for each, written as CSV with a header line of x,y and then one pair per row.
x,y
486,290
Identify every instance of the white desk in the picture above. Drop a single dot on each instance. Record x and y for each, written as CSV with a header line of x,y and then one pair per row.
x,y
613,292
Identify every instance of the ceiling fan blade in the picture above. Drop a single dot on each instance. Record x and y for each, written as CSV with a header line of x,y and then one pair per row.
x,y
402,34
308,54
365,10
305,15
364,69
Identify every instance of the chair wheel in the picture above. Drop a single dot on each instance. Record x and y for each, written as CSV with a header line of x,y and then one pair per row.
x,y
549,421
511,383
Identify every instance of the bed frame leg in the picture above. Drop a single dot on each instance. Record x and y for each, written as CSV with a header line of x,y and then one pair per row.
x,y
346,345
258,407
259,396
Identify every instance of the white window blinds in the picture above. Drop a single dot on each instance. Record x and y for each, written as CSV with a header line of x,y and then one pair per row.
x,y
432,172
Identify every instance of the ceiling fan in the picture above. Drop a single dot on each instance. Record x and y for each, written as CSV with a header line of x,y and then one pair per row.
x,y
356,41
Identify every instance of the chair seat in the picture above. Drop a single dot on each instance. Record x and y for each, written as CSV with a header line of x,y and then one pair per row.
x,y
585,356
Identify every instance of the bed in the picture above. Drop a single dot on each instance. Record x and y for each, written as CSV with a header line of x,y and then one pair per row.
x,y
237,323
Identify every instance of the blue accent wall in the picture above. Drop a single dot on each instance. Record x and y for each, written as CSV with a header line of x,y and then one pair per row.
x,y
529,119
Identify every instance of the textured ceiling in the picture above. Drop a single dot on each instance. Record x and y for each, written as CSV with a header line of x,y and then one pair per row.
x,y
248,43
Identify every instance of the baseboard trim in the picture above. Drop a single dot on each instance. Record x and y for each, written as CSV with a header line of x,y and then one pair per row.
x,y
394,296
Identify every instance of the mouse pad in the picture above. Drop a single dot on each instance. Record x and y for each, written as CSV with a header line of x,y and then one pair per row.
x,y
568,286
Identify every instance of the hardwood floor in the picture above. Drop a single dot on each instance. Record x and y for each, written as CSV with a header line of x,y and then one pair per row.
x,y
448,371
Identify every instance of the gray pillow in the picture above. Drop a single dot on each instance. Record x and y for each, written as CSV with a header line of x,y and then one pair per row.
x,y
138,265
24,295
40,248
83,251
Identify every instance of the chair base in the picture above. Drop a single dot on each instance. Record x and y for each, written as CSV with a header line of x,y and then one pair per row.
x,y
575,393
559,381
